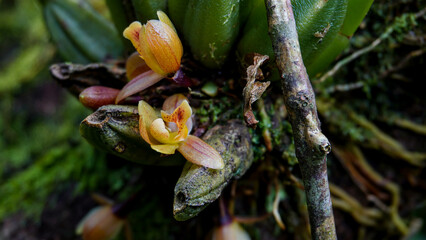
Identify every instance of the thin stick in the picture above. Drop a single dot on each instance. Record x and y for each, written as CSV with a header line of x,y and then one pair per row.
x,y
355,55
311,145
367,49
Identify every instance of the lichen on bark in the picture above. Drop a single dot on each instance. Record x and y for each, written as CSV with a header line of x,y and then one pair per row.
x,y
311,145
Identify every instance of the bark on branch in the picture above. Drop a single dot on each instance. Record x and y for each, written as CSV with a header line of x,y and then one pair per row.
x,y
311,145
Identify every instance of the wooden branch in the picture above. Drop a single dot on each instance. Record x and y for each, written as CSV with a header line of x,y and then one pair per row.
x,y
311,145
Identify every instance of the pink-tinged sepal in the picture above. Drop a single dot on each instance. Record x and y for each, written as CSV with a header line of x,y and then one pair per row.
x,y
135,66
173,102
139,83
199,152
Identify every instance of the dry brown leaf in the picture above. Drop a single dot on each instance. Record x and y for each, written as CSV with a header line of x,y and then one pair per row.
x,y
254,89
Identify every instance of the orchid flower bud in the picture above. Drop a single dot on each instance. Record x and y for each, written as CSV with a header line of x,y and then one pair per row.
x,y
157,43
160,48
100,224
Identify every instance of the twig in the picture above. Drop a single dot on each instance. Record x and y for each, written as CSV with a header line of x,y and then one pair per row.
x,y
266,122
344,87
402,63
275,211
367,49
355,55
351,154
389,145
410,125
345,202
311,145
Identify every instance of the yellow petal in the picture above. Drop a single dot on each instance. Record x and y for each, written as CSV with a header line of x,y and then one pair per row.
x,y
173,102
147,115
165,45
199,152
165,148
135,66
146,53
179,116
165,19
132,33
159,131
139,83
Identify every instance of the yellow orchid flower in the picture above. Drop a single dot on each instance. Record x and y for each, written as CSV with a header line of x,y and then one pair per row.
x,y
169,131
159,48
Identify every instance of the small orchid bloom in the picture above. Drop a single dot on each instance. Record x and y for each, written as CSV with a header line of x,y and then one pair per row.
x,y
160,48
169,131
230,231
104,222
100,224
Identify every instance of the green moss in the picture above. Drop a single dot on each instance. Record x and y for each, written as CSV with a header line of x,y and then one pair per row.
x,y
213,110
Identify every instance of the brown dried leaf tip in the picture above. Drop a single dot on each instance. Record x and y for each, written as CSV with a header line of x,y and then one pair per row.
x,y
254,89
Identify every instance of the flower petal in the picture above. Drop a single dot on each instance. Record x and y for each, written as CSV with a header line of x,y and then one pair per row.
x,y
146,53
179,116
165,148
139,83
158,130
147,115
132,33
170,105
199,152
165,45
173,102
135,66
165,19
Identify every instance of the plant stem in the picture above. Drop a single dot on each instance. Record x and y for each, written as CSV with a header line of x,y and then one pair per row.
x,y
311,145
